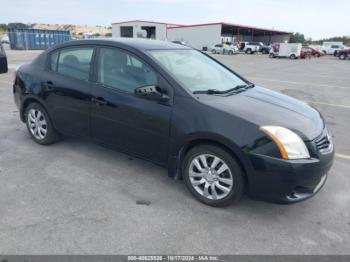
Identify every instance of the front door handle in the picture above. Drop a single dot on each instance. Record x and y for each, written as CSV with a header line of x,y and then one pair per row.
x,y
99,101
49,86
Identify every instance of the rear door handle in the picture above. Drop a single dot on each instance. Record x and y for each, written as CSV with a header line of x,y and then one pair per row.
x,y
99,101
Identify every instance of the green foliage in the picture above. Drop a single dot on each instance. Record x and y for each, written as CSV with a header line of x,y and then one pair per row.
x,y
344,39
108,35
3,27
297,38
17,25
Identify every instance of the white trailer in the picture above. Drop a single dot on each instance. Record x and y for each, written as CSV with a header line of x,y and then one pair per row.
x,y
291,50
196,36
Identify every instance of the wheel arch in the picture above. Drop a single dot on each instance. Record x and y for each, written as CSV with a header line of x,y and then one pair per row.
x,y
26,102
223,143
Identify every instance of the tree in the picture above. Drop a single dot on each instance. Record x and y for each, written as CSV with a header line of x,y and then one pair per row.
x,y
297,38
17,25
108,35
3,27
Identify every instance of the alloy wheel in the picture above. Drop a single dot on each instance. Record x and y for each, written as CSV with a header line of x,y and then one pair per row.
x,y
37,123
210,176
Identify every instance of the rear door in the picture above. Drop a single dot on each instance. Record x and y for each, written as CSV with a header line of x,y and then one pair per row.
x,y
121,119
67,89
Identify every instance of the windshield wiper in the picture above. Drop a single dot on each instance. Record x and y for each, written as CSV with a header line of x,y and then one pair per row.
x,y
209,92
216,91
239,87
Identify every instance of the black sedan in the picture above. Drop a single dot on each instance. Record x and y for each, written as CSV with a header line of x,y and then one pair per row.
x,y
181,109
3,60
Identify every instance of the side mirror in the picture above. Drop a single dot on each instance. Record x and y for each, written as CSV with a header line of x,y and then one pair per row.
x,y
152,93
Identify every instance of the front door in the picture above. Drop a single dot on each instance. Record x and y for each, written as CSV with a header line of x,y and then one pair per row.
x,y
121,119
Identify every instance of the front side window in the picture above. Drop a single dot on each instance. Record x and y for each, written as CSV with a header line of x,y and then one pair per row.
x,y
195,71
74,62
123,71
53,61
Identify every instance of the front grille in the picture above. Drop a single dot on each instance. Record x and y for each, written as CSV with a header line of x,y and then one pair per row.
x,y
324,142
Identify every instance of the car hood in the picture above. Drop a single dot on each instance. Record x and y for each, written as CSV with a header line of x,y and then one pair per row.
x,y
262,106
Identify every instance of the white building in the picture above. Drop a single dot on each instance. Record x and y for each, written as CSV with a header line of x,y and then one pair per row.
x,y
206,35
199,35
154,30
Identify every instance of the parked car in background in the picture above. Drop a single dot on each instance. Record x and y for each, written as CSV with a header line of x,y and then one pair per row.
x,y
3,60
145,97
265,49
316,52
251,47
224,49
306,52
290,50
5,40
339,51
344,54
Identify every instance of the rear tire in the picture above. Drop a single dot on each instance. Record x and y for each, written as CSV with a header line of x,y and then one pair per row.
x,y
230,52
215,181
342,57
292,56
39,125
213,51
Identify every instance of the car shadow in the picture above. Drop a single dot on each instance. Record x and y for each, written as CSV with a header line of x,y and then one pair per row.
x,y
144,182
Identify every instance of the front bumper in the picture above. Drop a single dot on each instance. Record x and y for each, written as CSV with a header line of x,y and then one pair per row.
x,y
289,181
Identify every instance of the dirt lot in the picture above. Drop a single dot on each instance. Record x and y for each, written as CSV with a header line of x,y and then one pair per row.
x,y
76,197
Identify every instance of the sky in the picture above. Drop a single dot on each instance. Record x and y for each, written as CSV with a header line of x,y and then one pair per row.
x,y
314,18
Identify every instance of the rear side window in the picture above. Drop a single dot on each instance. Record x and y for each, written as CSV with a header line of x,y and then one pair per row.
x,y
123,71
73,62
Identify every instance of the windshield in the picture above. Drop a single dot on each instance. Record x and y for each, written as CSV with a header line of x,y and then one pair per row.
x,y
195,71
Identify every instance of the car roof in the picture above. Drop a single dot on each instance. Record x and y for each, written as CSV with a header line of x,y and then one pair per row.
x,y
140,44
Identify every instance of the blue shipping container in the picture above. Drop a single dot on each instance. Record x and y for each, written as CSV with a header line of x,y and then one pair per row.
x,y
36,39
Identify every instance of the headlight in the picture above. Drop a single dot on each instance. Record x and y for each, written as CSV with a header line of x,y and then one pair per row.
x,y
289,143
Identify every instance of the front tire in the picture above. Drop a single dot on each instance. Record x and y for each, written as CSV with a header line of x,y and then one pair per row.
x,y
213,176
39,125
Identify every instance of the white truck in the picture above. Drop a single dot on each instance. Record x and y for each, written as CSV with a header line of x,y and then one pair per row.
x,y
291,50
251,47
330,48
